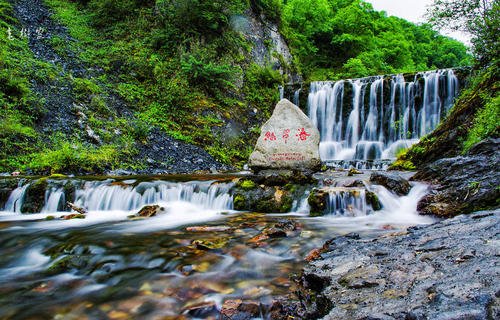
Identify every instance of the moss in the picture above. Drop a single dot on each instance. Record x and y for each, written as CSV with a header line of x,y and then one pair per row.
x,y
58,176
239,202
372,199
247,184
35,196
317,201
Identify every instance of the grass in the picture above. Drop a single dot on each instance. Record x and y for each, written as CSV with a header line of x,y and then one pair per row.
x,y
486,122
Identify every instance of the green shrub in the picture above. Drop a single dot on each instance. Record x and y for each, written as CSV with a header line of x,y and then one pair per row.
x,y
486,123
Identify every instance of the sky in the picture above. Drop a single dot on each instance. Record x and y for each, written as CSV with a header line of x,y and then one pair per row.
x,y
411,10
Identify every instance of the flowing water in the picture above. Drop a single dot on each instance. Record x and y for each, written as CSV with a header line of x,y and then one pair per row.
x,y
110,266
365,120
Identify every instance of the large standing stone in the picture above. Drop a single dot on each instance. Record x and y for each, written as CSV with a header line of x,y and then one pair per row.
x,y
287,140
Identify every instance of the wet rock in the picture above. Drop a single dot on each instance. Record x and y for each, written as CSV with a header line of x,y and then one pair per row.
x,y
354,184
35,196
353,171
74,207
314,254
372,199
149,211
274,232
201,310
392,182
318,199
288,140
238,309
263,199
208,229
283,177
462,184
73,216
447,270
210,244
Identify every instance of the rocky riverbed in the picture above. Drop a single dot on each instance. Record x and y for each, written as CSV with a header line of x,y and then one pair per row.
x,y
448,270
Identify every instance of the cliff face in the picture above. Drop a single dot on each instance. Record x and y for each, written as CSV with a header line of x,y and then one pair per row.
x,y
86,107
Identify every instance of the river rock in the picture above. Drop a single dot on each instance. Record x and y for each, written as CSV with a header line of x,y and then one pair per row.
x,y
462,184
392,182
147,212
288,140
448,270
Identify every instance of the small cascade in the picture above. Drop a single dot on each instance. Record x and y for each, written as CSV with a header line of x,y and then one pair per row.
x,y
347,202
373,118
16,198
296,97
101,196
55,200
110,195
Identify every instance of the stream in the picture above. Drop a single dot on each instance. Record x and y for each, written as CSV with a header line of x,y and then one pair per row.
x,y
186,261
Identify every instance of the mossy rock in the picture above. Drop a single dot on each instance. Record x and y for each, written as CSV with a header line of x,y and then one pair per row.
x,y
35,196
372,199
246,184
317,202
263,199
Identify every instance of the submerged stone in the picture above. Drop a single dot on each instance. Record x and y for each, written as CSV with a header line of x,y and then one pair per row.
x,y
288,140
392,182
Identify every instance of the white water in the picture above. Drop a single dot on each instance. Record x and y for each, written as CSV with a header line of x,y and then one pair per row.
x,y
15,200
347,202
396,211
107,201
355,130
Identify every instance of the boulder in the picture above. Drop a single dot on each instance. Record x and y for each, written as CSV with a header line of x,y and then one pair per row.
x,y
288,140
392,181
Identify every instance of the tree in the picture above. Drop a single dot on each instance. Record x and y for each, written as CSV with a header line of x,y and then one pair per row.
x,y
479,18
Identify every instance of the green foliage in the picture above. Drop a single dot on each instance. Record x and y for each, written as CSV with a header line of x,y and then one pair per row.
x,y
270,8
84,87
247,184
353,40
260,86
480,19
207,74
75,157
403,162
486,123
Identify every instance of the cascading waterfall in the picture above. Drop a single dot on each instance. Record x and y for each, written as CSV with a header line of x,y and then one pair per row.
x,y
99,196
346,202
394,115
110,195
15,200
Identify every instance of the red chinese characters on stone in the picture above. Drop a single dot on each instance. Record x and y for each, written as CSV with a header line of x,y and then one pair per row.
x,y
269,136
302,135
286,134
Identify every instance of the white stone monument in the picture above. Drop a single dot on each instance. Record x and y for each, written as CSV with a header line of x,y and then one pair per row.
x,y
288,140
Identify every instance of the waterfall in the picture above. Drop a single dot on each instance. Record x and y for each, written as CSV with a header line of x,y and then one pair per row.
x,y
346,202
373,118
15,200
99,196
110,195
296,96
